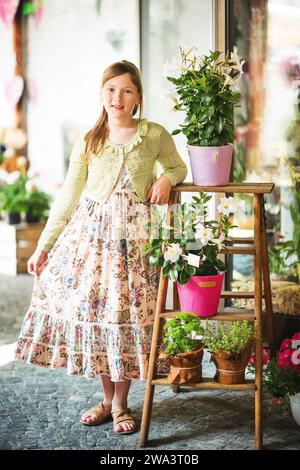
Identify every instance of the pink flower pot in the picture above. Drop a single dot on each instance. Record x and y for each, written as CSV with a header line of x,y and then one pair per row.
x,y
201,294
211,165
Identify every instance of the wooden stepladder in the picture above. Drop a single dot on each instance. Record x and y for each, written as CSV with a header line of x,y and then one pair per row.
x,y
256,246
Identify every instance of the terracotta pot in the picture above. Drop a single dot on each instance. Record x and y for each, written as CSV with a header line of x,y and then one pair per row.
x,y
184,367
230,371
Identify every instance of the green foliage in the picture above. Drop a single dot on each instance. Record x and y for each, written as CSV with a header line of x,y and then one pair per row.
x,y
279,381
37,203
16,198
206,92
182,333
279,258
12,196
184,239
232,337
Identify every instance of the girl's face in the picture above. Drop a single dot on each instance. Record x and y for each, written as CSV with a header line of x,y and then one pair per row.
x,y
120,95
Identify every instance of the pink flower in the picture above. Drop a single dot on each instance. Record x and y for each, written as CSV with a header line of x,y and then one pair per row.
x,y
276,401
296,336
284,359
286,344
252,360
265,355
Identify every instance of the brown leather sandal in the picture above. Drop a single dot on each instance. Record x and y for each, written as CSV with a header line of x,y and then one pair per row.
x,y
101,412
123,416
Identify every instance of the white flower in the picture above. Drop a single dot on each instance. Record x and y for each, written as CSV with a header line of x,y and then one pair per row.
x,y
219,241
237,62
30,186
172,70
173,97
204,234
3,175
13,177
187,49
227,205
198,61
173,252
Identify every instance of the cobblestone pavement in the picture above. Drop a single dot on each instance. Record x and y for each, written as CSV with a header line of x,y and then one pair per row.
x,y
40,409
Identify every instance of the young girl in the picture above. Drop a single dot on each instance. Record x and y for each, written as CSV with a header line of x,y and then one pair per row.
x,y
94,293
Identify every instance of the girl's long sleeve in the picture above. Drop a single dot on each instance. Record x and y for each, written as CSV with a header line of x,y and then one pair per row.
x,y
173,165
68,197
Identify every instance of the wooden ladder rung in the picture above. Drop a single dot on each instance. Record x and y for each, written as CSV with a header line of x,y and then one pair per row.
x,y
242,241
210,383
238,250
229,314
231,294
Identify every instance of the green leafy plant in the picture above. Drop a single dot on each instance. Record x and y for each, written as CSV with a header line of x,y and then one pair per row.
x,y
182,333
294,245
281,375
12,195
36,202
206,91
279,256
232,337
192,246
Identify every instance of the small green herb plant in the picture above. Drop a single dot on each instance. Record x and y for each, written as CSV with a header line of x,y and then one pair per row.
x,y
233,337
182,333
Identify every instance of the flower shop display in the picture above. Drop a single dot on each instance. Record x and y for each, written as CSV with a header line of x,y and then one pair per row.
x,y
230,346
206,89
281,375
20,194
183,349
12,196
188,253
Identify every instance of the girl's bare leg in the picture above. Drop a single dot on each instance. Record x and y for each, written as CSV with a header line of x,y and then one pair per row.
x,y
120,403
109,391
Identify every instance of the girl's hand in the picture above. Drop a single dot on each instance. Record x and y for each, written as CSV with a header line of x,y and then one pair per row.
x,y
37,262
160,191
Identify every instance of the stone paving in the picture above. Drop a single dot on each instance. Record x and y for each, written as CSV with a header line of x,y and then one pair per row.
x,y
40,409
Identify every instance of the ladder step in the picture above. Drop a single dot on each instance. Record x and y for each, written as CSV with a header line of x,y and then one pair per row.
x,y
229,294
238,250
243,241
229,314
209,383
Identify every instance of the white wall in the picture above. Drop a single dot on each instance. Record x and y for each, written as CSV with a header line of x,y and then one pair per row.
x,y
66,57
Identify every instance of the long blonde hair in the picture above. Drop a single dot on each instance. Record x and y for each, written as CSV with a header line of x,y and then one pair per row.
x,y
95,138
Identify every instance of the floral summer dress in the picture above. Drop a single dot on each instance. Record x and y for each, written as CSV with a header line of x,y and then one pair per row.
x,y
92,307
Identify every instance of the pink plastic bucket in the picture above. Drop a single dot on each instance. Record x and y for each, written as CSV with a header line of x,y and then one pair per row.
x,y
210,165
201,294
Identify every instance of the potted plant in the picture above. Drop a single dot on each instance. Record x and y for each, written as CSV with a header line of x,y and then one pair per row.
x,y
281,375
279,256
294,244
12,196
206,91
36,203
230,346
188,253
183,349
